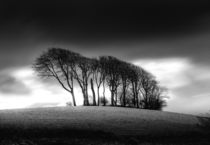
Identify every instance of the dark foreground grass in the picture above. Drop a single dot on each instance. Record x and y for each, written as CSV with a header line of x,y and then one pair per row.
x,y
11,135
101,126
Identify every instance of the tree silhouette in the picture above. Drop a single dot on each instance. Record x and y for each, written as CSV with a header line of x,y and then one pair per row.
x,y
124,72
98,75
138,88
135,76
82,74
111,71
152,94
102,65
59,64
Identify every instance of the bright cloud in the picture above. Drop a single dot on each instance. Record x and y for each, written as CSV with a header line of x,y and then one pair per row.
x,y
187,83
168,71
41,93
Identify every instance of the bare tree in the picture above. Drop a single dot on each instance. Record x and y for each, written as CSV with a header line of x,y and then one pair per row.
x,y
124,72
153,95
82,74
103,74
59,64
145,87
157,100
97,75
111,71
134,78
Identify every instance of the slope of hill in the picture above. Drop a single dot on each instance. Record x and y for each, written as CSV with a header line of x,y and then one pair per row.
x,y
105,121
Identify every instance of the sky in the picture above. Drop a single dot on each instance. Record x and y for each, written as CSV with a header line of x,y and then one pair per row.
x,y
170,39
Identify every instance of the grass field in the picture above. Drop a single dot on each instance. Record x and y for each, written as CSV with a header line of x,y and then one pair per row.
x,y
100,125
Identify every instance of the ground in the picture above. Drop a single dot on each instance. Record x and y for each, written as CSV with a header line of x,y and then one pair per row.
x,y
100,125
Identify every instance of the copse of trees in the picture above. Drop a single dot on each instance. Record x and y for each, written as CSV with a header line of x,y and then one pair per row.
x,y
129,85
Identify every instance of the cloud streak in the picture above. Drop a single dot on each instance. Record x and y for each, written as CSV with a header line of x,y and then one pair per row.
x,y
12,85
187,82
41,93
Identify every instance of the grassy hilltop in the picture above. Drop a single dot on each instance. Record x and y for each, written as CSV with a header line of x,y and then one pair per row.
x,y
100,125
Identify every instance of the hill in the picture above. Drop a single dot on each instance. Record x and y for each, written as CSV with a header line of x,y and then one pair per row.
x,y
103,123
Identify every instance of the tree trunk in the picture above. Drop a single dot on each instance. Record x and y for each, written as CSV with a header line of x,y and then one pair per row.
x,y
93,91
86,92
134,94
124,95
87,100
98,96
137,95
104,93
84,96
73,98
146,101
112,97
116,97
137,100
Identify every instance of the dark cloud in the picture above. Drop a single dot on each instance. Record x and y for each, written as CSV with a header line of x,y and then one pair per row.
x,y
10,85
127,29
116,19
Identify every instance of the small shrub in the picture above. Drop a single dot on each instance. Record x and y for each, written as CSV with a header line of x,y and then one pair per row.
x,y
69,104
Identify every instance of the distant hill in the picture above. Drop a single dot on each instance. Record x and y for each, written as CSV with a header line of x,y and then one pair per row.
x,y
114,121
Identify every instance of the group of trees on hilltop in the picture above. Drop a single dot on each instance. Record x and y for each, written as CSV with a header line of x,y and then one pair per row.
x,y
129,85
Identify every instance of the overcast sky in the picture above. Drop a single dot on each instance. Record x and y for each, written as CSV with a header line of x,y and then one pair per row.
x,y
168,38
